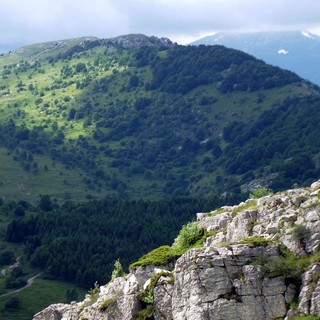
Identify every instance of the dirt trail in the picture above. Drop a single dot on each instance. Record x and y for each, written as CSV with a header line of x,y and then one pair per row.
x,y
29,283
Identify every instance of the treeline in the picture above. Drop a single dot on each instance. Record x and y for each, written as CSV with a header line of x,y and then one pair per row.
x,y
187,67
80,242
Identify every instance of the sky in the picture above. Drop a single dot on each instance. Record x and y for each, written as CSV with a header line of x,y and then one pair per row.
x,y
26,22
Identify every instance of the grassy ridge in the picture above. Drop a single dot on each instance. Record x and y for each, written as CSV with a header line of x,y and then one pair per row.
x,y
131,123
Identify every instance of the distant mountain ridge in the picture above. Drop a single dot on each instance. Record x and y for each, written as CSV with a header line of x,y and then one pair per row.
x,y
297,51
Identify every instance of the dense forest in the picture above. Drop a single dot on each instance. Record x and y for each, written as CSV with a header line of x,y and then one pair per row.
x,y
139,117
80,242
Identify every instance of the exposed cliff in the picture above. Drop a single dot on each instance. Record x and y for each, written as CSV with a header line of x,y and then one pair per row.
x,y
260,260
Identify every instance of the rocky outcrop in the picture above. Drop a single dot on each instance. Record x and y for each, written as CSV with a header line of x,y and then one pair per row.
x,y
242,271
132,41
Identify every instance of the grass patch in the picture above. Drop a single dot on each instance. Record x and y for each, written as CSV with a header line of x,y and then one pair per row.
x,y
190,236
256,241
146,313
146,295
287,264
159,257
309,317
216,212
250,205
108,304
37,297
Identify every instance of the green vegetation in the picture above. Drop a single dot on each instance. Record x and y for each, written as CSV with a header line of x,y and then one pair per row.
x,y
146,313
94,118
146,296
35,298
300,233
260,192
287,264
190,236
249,205
256,241
117,271
80,242
100,122
310,317
108,304
161,256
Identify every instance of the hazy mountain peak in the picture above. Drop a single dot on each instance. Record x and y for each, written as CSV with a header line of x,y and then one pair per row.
x,y
293,50
307,34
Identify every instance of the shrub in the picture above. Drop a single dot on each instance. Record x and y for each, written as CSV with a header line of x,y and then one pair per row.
x,y
117,271
190,235
146,313
260,192
256,241
158,257
300,233
108,304
146,295
287,265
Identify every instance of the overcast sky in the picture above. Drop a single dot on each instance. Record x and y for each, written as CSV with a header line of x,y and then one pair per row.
x,y
32,21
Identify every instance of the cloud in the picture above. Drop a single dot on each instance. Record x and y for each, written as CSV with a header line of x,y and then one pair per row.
x,y
41,20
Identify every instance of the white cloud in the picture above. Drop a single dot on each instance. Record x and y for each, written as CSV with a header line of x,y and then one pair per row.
x,y
182,20
283,51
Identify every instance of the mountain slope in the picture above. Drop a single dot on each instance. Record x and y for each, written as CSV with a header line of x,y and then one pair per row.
x,y
296,51
258,260
136,116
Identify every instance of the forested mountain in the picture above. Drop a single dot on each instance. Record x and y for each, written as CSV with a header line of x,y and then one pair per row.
x,y
151,133
297,51
139,117
80,242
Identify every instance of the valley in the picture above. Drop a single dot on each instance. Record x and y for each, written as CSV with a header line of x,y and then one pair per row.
x,y
109,146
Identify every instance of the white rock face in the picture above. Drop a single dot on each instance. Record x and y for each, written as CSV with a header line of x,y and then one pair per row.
x,y
220,280
208,285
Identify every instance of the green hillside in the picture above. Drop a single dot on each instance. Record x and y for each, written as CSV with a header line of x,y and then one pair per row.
x,y
138,117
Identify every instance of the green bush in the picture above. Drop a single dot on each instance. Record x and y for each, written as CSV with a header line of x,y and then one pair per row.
x,y
146,295
118,270
158,257
256,241
300,233
190,235
146,313
108,304
260,192
287,265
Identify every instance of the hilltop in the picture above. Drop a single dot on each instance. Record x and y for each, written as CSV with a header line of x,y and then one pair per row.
x,y
140,117
258,260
